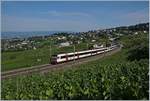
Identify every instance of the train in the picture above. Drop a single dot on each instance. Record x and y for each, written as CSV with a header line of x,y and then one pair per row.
x,y
65,57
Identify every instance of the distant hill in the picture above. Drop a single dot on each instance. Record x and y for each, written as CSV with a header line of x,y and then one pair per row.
x,y
137,27
132,28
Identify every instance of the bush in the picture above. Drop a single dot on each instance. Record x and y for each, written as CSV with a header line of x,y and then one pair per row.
x,y
138,52
138,46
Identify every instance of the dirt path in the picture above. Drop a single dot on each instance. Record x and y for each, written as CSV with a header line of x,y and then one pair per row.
x,y
47,67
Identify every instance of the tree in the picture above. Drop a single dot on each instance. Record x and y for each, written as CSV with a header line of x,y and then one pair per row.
x,y
139,48
139,52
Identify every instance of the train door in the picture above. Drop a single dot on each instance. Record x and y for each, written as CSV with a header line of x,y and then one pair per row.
x,y
66,57
77,55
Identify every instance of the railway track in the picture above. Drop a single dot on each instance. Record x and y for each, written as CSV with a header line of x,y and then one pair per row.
x,y
48,67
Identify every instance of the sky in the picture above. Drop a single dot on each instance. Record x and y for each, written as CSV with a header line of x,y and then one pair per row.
x,y
71,15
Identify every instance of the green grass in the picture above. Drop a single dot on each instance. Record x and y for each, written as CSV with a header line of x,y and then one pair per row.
x,y
28,58
12,60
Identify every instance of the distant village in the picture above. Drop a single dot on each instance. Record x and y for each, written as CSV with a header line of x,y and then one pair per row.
x,y
96,38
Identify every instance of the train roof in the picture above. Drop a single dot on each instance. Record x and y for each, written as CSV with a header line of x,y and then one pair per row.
x,y
77,52
71,53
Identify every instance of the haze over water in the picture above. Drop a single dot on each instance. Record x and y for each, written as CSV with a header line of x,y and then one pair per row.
x,y
9,35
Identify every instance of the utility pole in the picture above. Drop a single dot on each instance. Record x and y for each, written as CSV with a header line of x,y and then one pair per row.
x,y
87,45
74,51
50,51
105,47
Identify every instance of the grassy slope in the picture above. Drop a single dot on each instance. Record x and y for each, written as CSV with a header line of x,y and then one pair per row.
x,y
14,60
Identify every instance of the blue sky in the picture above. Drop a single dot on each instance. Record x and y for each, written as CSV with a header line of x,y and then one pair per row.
x,y
71,16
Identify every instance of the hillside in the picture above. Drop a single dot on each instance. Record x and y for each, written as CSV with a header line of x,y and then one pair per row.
x,y
101,79
38,50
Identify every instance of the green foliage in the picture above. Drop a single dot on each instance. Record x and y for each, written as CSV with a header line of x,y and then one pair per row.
x,y
138,46
138,52
130,41
110,78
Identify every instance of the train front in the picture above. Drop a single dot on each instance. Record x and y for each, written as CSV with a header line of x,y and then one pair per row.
x,y
53,59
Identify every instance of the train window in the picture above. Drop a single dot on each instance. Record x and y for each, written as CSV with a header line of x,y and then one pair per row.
x,y
84,53
63,56
72,55
68,56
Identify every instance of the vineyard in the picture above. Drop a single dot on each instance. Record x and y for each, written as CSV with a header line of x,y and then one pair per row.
x,y
113,77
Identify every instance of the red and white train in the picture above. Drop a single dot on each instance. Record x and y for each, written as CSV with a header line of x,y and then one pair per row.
x,y
59,58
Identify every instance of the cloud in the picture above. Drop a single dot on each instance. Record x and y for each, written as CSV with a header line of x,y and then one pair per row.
x,y
136,16
56,13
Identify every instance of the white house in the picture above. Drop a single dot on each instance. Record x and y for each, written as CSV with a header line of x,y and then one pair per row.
x,y
111,39
93,40
34,48
81,38
136,33
24,43
114,30
61,38
64,44
78,42
97,46
145,31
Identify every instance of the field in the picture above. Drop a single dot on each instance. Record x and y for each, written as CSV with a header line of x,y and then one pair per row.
x,y
28,58
100,79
